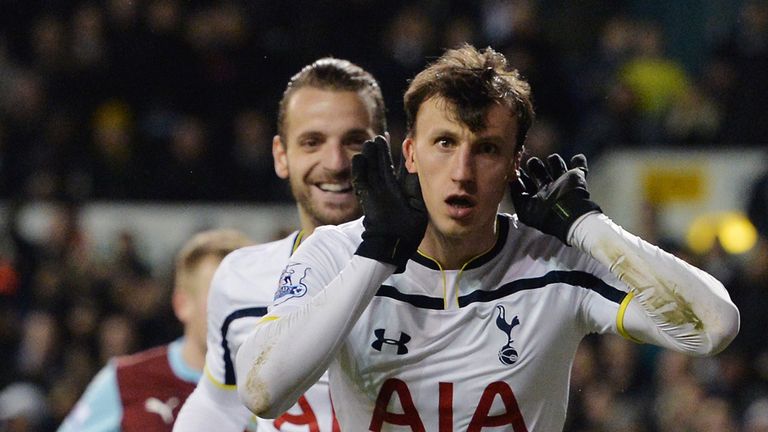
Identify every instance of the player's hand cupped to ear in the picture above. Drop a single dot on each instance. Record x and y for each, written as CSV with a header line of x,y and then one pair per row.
x,y
552,197
395,216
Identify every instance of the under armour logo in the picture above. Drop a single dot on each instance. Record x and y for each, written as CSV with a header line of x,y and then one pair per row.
x,y
163,409
507,354
381,340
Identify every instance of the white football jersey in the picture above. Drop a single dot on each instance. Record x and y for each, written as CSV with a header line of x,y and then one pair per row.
x,y
487,347
242,288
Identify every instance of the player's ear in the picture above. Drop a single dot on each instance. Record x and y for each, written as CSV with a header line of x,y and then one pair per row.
x,y
183,306
280,157
409,155
514,164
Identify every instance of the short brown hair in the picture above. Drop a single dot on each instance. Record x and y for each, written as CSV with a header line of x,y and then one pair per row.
x,y
217,243
330,73
472,80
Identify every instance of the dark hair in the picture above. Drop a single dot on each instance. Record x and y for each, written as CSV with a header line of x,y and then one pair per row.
x,y
472,80
338,75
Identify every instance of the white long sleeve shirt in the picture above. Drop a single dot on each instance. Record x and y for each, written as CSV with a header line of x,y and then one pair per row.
x,y
489,345
242,288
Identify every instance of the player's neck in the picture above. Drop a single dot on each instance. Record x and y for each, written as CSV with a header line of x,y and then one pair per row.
x,y
453,252
192,354
306,222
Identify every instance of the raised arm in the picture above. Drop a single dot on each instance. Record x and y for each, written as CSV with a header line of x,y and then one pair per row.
x,y
292,346
670,303
325,288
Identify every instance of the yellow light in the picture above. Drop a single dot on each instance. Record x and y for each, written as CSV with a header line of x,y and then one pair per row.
x,y
701,234
733,231
736,234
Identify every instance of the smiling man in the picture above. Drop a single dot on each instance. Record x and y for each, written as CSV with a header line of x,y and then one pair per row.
x,y
327,111
320,130
460,318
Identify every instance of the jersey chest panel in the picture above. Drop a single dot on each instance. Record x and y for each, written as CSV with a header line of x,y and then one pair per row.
x,y
515,340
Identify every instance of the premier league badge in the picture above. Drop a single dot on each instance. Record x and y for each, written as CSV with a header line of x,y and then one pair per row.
x,y
292,282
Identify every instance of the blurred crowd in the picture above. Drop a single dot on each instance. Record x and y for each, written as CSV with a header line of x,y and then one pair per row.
x,y
66,307
171,100
140,99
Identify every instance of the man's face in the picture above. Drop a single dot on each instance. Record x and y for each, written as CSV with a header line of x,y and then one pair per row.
x,y
323,130
463,175
193,312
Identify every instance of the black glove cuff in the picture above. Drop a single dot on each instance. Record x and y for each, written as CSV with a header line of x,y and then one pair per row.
x,y
569,209
391,250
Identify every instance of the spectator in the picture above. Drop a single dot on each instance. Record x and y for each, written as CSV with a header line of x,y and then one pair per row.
x,y
756,418
23,408
189,159
745,54
656,80
252,153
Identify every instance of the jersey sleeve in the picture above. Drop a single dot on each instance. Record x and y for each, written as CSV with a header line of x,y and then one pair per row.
x,y
212,408
601,306
322,292
230,321
99,409
669,302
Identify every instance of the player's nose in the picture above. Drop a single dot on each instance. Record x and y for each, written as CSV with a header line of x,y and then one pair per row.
x,y
463,165
336,157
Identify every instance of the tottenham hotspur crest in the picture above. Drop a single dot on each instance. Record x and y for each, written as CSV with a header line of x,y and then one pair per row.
x,y
507,353
292,282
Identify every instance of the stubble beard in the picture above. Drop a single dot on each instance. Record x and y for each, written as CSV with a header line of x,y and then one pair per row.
x,y
324,213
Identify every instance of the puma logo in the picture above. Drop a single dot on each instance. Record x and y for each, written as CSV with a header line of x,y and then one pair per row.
x,y
163,409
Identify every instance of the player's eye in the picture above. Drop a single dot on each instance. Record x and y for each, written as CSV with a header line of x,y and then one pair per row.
x,y
488,148
444,142
355,142
310,143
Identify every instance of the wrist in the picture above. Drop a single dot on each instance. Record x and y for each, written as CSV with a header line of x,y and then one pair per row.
x,y
578,232
390,250
569,211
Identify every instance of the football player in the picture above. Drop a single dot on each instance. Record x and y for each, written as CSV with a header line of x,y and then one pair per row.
x,y
453,317
144,391
328,110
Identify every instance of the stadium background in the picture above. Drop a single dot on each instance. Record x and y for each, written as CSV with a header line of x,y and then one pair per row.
x,y
127,125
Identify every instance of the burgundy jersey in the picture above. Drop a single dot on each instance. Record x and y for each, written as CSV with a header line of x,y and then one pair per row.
x,y
151,394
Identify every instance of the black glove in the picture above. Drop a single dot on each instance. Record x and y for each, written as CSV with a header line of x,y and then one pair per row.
x,y
550,198
395,216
